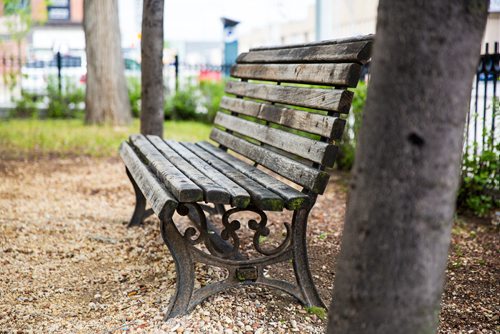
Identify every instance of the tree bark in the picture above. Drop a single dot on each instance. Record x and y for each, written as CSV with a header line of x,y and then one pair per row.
x,y
152,68
106,98
390,271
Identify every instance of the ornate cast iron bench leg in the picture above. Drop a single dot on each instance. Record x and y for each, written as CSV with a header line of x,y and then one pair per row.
x,y
242,271
301,260
140,212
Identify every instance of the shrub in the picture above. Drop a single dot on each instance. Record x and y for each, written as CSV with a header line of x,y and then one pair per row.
x,y
212,91
195,102
134,95
480,183
182,104
347,151
68,103
26,106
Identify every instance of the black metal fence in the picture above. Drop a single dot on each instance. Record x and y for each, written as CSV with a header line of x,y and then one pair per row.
x,y
24,75
182,72
481,131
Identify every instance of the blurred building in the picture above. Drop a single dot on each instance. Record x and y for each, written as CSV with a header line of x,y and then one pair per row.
x,y
492,33
292,32
63,29
348,18
58,26
330,19
359,17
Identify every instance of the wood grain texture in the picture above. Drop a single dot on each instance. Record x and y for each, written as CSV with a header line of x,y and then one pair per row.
x,y
176,182
262,198
323,125
239,197
294,199
317,151
310,178
212,193
362,38
316,98
154,191
357,51
322,74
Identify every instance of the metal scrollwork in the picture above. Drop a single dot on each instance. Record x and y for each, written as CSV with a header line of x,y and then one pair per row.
x,y
190,232
260,228
228,233
201,226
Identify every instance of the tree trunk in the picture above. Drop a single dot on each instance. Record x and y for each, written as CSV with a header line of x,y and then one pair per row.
x,y
106,98
390,271
152,68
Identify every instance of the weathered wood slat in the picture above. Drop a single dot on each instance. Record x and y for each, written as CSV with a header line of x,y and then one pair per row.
x,y
211,191
313,179
294,199
322,125
289,155
156,194
356,51
176,182
316,98
360,38
317,151
261,197
239,197
321,74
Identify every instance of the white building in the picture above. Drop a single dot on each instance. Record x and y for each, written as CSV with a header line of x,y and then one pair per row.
x,y
338,19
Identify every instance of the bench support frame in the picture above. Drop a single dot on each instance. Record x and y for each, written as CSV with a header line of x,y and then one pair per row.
x,y
223,252
242,271
140,212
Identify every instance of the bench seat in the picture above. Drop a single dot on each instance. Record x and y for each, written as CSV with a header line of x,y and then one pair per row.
x,y
186,173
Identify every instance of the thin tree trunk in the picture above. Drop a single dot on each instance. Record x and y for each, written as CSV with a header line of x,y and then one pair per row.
x,y
390,271
106,98
152,68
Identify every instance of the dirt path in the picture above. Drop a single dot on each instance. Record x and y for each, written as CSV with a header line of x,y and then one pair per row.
x,y
69,265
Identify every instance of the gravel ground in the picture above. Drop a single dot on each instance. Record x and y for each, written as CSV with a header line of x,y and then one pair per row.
x,y
68,264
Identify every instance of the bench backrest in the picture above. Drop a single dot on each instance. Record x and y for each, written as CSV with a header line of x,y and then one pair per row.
x,y
285,109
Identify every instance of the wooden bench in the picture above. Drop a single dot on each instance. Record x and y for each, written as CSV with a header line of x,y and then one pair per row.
x,y
287,119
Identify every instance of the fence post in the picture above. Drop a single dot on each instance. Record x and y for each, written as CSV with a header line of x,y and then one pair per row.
x,y
176,64
59,66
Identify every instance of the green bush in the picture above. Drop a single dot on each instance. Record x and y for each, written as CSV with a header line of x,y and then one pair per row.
x,y
479,188
195,102
68,103
212,92
347,151
26,106
182,104
134,95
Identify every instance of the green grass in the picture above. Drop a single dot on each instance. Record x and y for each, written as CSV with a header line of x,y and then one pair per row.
x,y
30,137
319,311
